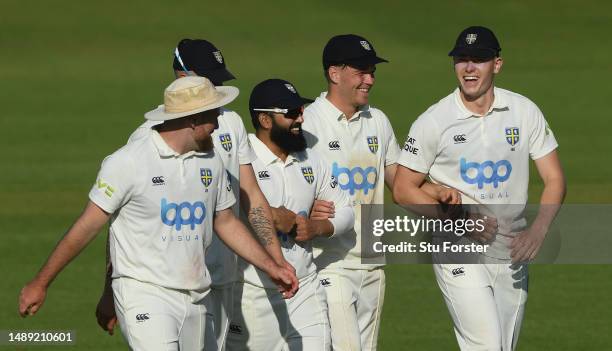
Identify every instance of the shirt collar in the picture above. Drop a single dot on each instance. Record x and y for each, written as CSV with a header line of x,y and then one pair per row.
x,y
333,111
265,155
499,103
165,150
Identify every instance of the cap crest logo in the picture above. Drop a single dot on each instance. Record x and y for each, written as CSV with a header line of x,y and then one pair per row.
x,y
290,88
365,45
471,38
218,56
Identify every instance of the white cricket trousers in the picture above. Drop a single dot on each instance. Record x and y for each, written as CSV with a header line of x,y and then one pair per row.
x,y
153,318
264,321
486,302
221,307
355,299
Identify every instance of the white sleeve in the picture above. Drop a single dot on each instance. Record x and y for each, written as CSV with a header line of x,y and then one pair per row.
x,y
541,139
391,143
421,146
246,154
225,195
114,183
328,190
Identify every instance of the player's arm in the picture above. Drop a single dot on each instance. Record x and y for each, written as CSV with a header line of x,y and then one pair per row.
x,y
329,192
78,236
526,245
260,214
105,310
237,237
438,193
407,188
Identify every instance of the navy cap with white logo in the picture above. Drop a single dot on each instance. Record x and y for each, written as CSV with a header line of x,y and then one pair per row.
x,y
477,42
203,58
350,49
275,93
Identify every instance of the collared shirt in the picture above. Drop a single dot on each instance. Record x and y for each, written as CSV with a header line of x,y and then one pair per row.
x,y
358,149
232,145
162,207
485,157
295,184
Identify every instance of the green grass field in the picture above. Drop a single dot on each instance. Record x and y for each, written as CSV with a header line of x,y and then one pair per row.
x,y
78,76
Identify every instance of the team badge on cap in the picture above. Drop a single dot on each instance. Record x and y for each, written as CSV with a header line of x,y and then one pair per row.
x,y
218,56
365,45
512,135
308,174
373,143
471,38
206,176
226,141
290,87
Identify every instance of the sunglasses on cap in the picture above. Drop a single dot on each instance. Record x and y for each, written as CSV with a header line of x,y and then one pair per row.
x,y
293,113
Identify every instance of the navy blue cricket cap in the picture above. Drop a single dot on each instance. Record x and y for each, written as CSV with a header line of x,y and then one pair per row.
x,y
202,57
350,49
477,42
277,93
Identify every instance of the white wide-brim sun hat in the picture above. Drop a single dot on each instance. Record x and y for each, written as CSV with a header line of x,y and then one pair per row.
x,y
190,95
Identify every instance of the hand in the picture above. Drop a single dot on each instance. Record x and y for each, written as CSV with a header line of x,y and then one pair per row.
x,y
322,209
105,312
306,229
526,245
489,228
285,279
449,196
31,298
284,219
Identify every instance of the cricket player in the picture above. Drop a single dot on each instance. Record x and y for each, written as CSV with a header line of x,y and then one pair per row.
x,y
199,57
359,143
479,140
291,179
163,194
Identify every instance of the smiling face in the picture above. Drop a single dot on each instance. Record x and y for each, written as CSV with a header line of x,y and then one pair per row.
x,y
353,83
286,132
475,75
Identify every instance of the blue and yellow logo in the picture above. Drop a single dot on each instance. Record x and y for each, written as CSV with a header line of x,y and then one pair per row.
x,y
226,141
373,143
206,176
512,135
308,174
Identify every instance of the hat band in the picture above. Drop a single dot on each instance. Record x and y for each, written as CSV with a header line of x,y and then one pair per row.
x,y
189,99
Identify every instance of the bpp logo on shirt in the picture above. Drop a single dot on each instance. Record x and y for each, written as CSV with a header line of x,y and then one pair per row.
x,y
485,173
181,214
355,178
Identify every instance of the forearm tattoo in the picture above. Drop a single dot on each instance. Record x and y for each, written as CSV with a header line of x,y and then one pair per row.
x,y
263,228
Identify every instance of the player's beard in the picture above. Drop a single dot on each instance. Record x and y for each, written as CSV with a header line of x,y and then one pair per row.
x,y
205,145
286,140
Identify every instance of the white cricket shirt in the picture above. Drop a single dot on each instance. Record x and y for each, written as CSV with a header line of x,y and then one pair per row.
x,y
358,151
162,206
232,145
485,158
295,184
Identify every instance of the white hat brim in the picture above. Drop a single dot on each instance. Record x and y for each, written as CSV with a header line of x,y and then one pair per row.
x,y
227,93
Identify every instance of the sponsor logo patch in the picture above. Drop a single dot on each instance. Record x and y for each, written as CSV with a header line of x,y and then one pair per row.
x,y
159,180
458,271
459,139
334,145
142,317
